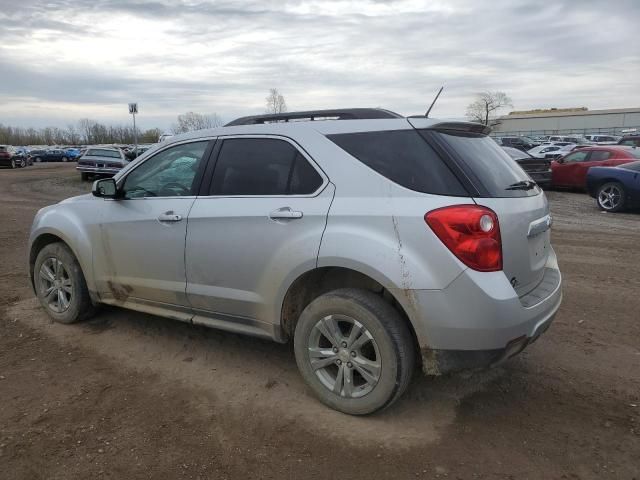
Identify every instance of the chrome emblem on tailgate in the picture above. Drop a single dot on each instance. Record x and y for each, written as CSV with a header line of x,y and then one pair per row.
x,y
539,226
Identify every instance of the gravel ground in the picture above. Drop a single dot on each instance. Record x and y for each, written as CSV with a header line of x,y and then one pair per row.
x,y
128,395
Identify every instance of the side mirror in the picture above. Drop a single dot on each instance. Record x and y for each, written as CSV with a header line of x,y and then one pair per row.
x,y
105,188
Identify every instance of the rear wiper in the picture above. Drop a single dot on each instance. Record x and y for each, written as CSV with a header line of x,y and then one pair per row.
x,y
523,185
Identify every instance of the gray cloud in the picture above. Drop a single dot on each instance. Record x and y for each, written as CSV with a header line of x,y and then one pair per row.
x,y
223,56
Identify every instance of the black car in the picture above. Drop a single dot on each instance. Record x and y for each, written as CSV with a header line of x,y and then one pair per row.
x,y
10,157
539,169
521,143
630,140
53,155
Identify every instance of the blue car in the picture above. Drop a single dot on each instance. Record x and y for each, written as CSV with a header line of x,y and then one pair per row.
x,y
615,188
72,153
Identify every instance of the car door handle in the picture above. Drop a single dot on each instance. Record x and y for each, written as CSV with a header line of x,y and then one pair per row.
x,y
285,213
169,217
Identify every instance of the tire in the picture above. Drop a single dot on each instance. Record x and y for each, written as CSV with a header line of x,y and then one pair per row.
x,y
380,366
84,176
13,163
57,271
611,197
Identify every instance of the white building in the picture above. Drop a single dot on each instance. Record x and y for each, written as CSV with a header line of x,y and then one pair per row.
x,y
570,120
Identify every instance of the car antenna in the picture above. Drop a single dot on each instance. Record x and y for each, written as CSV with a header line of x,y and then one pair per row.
x,y
434,101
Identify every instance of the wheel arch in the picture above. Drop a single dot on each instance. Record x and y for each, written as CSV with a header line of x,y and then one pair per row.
x,y
47,236
315,282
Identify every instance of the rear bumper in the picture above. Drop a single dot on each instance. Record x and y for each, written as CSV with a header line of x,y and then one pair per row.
x,y
479,320
98,170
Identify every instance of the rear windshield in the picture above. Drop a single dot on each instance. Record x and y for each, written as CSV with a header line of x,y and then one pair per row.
x,y
102,153
634,166
486,163
403,157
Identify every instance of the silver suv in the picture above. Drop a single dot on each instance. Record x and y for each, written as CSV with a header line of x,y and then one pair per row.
x,y
372,241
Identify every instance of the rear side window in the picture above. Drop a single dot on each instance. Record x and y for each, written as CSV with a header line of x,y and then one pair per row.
x,y
482,158
403,157
263,167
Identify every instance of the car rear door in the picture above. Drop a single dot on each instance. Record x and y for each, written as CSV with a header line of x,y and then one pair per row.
x,y
139,255
256,226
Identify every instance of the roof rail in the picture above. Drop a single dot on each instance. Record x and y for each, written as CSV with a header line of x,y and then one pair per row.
x,y
340,114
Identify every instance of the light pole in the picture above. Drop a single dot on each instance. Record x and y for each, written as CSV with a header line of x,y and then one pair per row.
x,y
133,109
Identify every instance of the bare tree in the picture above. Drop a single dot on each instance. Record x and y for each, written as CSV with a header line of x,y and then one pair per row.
x,y
485,107
275,102
191,121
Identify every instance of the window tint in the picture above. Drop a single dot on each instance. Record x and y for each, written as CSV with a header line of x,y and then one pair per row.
x,y
576,157
599,156
169,173
405,158
480,157
262,166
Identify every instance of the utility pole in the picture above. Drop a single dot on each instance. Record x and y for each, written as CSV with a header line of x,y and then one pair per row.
x,y
133,109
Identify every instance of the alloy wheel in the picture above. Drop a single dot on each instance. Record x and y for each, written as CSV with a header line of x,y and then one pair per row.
x,y
610,197
55,285
344,356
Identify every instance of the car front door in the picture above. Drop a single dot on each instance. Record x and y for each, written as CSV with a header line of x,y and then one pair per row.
x,y
139,252
257,226
566,170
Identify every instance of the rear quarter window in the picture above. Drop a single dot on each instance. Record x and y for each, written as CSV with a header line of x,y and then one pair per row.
x,y
403,157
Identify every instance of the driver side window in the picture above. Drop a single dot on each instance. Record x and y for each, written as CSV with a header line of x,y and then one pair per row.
x,y
576,157
170,173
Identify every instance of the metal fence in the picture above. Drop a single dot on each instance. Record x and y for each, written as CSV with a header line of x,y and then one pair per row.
x,y
619,131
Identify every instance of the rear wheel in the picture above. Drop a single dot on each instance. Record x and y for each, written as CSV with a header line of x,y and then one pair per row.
x,y
354,350
23,163
13,163
611,197
65,159
38,159
60,284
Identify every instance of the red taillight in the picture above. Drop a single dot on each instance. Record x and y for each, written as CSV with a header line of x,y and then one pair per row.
x,y
471,232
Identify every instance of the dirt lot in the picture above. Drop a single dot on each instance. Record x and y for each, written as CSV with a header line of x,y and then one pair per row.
x,y
134,396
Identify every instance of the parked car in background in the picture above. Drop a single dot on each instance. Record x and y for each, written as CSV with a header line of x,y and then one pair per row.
x,y
630,141
615,188
553,150
571,170
366,241
132,154
12,158
73,153
539,169
603,139
50,155
522,143
101,161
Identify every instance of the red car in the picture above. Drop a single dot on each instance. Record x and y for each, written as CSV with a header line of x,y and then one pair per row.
x,y
571,170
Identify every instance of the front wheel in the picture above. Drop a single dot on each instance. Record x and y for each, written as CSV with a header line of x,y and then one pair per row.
x,y
611,197
38,159
23,163
354,350
65,159
13,163
60,284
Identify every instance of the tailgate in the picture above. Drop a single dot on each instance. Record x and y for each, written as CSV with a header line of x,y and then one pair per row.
x,y
525,230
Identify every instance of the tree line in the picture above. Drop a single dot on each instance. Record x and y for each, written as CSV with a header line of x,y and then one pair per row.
x,y
91,132
85,132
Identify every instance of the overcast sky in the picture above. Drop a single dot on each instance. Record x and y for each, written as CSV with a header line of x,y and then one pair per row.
x,y
61,60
